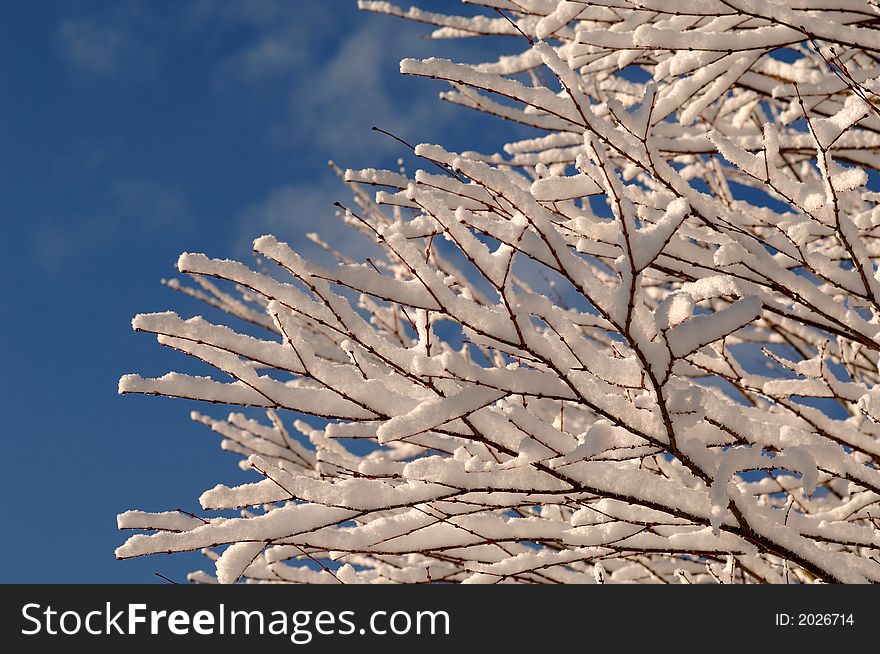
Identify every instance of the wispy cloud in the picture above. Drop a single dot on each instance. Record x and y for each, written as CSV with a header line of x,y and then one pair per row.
x,y
255,12
359,88
88,156
92,47
130,207
334,95
107,45
149,205
319,75
337,103
272,57
291,211
283,42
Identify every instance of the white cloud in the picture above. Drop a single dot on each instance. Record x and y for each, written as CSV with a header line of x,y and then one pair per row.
x,y
114,43
149,205
91,47
335,105
284,45
271,57
87,156
131,207
290,212
336,93
256,12
332,104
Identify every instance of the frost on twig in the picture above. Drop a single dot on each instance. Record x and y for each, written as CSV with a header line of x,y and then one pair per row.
x,y
639,346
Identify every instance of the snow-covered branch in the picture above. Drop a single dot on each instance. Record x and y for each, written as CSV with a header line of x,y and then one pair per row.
x,y
641,344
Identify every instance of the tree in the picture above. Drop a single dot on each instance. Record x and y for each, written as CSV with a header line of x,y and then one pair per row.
x,y
641,346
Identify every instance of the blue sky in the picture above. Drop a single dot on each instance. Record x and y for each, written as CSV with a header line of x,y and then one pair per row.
x,y
133,131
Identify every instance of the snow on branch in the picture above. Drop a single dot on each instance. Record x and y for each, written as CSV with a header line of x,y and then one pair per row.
x,y
641,345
